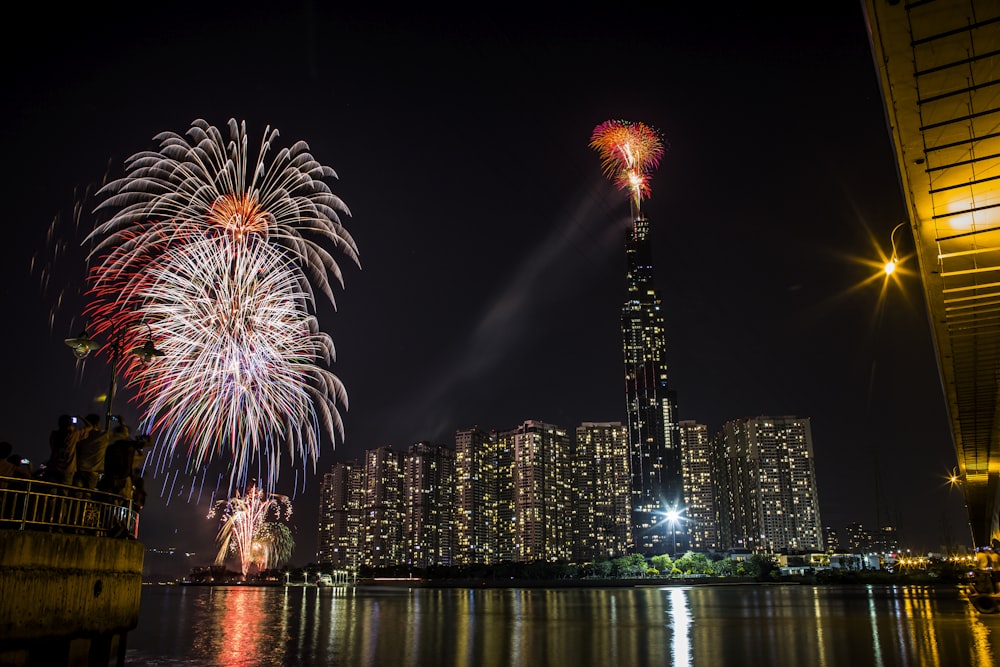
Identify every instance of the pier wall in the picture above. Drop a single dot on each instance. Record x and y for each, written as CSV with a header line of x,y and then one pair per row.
x,y
67,599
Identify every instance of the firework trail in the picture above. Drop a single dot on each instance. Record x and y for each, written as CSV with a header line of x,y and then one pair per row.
x,y
242,519
213,255
630,152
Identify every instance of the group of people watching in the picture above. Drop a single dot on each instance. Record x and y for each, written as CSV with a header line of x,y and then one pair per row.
x,y
84,454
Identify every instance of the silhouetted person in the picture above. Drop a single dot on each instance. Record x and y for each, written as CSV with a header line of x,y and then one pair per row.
x,y
91,450
120,465
22,466
62,445
7,467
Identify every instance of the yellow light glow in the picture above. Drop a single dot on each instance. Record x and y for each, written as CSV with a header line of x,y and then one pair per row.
x,y
890,266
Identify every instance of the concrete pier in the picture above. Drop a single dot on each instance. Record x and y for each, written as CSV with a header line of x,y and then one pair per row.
x,y
68,596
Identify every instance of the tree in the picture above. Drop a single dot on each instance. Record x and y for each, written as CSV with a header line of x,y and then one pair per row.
x,y
725,567
601,568
663,563
692,563
763,567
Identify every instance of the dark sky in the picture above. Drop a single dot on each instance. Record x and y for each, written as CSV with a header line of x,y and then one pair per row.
x,y
492,247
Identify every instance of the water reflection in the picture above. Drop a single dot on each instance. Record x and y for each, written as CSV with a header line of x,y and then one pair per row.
x,y
677,626
680,622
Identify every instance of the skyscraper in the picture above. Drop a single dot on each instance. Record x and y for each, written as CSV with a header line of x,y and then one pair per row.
x,y
653,433
538,481
475,497
771,484
428,505
340,515
381,528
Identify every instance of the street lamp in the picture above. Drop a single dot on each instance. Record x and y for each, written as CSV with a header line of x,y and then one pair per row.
x,y
82,345
672,517
890,266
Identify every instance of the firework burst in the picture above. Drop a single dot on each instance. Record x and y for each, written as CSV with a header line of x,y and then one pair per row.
x,y
629,152
272,546
214,254
243,520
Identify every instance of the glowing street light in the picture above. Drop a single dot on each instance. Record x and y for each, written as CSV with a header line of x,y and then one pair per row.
x,y
673,516
893,262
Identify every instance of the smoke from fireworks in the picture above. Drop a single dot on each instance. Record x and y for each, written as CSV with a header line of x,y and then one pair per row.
x,y
245,533
213,256
630,152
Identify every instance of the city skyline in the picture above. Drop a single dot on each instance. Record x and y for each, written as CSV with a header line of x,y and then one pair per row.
x,y
492,246
536,494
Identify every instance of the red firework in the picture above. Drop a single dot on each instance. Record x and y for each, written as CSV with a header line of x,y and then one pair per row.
x,y
629,154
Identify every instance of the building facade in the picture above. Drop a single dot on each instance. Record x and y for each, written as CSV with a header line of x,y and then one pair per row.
x,y
535,491
601,491
700,520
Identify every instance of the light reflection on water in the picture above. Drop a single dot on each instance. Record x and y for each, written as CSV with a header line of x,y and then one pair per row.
x,y
676,626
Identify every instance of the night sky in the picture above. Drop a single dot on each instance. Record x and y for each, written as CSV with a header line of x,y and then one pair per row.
x,y
492,246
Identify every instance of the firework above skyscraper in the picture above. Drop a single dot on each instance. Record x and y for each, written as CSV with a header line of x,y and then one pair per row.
x,y
629,154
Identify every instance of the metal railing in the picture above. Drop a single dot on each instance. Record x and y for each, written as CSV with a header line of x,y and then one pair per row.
x,y
31,504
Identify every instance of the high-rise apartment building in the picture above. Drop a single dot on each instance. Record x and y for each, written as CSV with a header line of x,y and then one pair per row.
x,y
654,438
771,482
475,497
534,482
601,490
428,505
340,516
381,525
698,527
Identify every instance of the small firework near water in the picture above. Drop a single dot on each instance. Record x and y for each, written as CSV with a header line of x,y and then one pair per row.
x,y
214,253
246,533
630,152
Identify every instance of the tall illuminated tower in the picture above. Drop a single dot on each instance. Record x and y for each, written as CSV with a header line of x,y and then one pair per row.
x,y
651,406
629,154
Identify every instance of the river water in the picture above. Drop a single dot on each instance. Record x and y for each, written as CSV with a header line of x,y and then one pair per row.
x,y
771,625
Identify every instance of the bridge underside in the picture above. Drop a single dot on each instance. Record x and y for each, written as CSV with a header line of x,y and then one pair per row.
x,y
939,67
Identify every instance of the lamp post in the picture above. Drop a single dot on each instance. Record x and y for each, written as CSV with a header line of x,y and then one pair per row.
x,y
82,345
890,266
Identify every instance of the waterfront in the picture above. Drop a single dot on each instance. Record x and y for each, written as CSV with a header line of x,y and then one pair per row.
x,y
679,625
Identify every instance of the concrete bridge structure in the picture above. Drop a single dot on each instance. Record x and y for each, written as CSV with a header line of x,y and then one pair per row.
x,y
938,62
